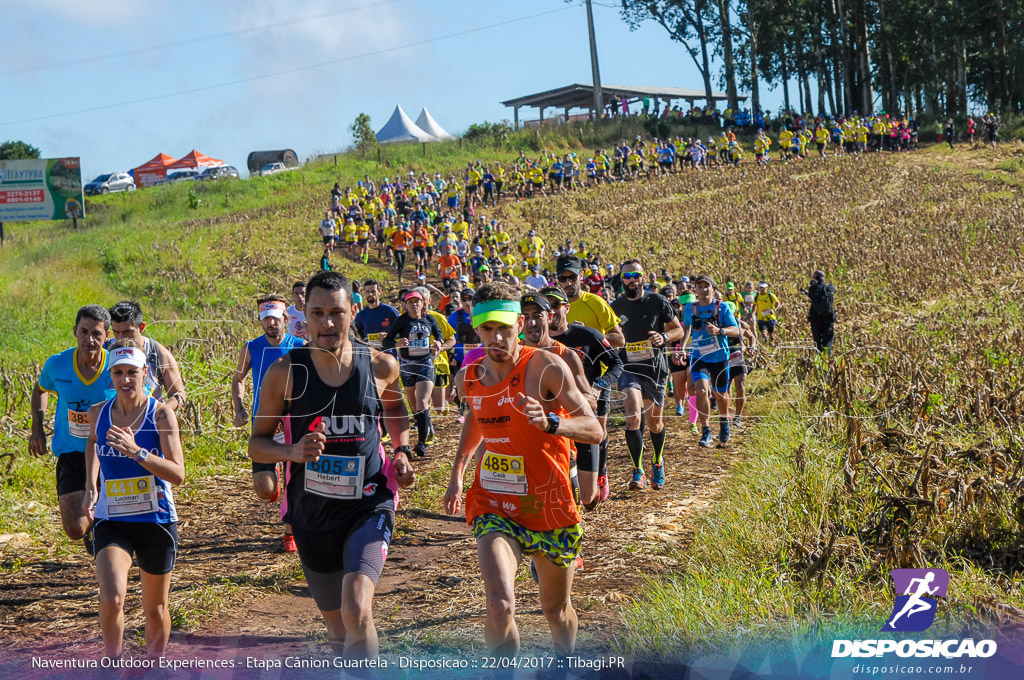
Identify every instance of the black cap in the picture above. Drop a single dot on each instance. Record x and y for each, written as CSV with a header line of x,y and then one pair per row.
x,y
555,292
819,275
569,264
705,277
535,299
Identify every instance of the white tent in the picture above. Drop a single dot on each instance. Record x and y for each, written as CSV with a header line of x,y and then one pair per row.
x,y
427,123
400,128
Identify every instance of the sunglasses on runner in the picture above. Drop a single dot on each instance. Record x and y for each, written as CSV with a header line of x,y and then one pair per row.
x,y
565,278
629,276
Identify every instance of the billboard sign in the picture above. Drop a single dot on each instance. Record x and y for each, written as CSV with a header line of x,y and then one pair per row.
x,y
40,189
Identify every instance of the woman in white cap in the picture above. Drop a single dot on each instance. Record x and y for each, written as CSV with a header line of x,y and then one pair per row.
x,y
132,459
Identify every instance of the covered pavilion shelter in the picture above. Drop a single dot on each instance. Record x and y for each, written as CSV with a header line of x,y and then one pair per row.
x,y
580,96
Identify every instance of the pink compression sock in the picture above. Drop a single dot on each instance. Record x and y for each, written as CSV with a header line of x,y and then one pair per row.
x,y
692,401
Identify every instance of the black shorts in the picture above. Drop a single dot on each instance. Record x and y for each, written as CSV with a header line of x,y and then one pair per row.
x,y
328,240
716,373
70,472
651,389
682,367
766,325
442,379
360,547
154,545
413,372
419,251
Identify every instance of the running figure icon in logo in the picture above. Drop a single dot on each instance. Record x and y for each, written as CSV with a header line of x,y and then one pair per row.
x,y
914,609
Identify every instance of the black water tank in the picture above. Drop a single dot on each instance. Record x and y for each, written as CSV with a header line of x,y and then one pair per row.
x,y
257,159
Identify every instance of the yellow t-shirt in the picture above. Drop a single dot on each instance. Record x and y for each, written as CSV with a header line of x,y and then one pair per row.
x,y
763,303
441,360
592,311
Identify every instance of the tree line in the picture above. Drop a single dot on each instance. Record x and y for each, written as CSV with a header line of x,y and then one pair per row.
x,y
927,57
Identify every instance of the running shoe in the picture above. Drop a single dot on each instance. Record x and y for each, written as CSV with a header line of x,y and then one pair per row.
x,y
385,438
639,480
420,449
289,544
679,409
723,432
737,421
432,439
602,488
657,475
460,419
578,563
694,429
705,438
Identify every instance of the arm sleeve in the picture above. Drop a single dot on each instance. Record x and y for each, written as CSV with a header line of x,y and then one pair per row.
x,y
610,359
667,313
393,334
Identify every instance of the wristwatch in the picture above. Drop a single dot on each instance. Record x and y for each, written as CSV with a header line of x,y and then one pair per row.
x,y
404,448
553,422
601,384
141,455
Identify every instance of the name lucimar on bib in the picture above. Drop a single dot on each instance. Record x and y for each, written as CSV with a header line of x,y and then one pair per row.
x,y
335,477
131,496
503,474
639,351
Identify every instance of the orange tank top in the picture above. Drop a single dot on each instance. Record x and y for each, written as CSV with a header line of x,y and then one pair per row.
x,y
523,474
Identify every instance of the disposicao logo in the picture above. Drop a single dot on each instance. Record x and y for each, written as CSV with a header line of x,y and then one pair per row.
x,y
912,612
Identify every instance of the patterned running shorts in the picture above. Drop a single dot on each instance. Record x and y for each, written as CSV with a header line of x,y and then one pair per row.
x,y
561,546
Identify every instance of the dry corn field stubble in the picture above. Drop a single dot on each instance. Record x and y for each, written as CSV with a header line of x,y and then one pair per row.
x,y
924,392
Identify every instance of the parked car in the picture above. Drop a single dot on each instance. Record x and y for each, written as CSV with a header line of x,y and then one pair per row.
x,y
109,183
272,169
219,172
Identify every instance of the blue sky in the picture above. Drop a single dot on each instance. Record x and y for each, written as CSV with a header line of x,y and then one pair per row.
x,y
101,79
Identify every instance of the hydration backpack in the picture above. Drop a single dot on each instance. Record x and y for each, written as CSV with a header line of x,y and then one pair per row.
x,y
824,302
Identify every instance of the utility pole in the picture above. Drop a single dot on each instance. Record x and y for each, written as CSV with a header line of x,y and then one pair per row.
x,y
598,98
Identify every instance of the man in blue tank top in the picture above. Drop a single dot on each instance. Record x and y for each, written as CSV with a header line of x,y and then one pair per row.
x,y
342,490
79,378
258,355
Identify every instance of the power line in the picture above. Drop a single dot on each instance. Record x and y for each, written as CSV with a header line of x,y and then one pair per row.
x,y
191,41
241,81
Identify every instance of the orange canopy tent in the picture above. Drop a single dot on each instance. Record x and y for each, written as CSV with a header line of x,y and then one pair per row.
x,y
154,170
194,159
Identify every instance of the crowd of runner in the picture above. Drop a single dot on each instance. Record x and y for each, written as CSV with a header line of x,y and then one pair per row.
x,y
530,348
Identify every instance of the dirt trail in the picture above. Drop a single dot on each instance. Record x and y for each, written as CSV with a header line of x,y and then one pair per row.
x,y
430,595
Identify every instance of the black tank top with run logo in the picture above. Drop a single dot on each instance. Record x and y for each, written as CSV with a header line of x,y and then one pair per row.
x,y
352,477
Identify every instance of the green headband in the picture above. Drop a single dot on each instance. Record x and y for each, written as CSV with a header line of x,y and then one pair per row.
x,y
503,311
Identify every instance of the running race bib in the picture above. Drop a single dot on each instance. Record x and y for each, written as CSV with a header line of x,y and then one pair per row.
x,y
78,424
335,477
503,474
374,339
706,345
131,496
419,347
639,351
